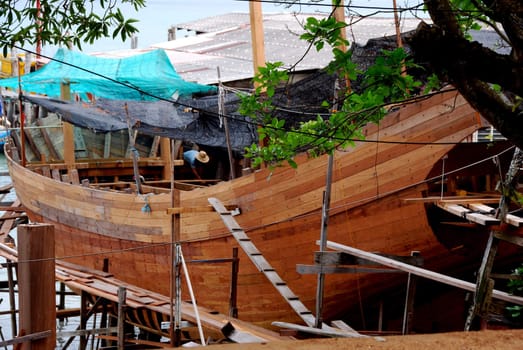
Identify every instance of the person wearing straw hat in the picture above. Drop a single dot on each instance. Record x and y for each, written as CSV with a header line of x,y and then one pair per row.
x,y
195,158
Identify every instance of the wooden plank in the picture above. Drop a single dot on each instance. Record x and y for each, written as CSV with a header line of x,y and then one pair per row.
x,y
315,269
56,174
6,188
73,176
467,214
153,152
176,150
107,145
13,208
422,272
511,219
341,258
202,209
26,338
456,199
79,143
68,133
32,145
517,240
327,332
47,140
46,171
148,343
343,326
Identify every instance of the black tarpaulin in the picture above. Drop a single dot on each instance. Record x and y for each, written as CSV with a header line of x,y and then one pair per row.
x,y
160,118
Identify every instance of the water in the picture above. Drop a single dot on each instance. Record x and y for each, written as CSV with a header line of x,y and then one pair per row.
x,y
71,301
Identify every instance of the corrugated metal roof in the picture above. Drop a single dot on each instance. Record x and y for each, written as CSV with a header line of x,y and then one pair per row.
x,y
226,43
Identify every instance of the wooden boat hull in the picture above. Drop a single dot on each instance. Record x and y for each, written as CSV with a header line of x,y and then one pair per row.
x,y
280,211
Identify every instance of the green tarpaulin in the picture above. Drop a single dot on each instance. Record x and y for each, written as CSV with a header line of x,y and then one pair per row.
x,y
151,74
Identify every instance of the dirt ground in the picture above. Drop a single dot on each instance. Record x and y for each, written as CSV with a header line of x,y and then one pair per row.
x,y
477,340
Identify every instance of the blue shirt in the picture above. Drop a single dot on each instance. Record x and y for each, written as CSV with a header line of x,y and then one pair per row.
x,y
190,157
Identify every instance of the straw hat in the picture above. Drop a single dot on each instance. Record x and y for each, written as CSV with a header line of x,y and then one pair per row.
x,y
202,157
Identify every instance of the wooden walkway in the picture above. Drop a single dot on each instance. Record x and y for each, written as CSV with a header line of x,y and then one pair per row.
x,y
103,285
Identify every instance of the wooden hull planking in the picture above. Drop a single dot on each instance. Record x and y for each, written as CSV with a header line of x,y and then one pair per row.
x,y
280,211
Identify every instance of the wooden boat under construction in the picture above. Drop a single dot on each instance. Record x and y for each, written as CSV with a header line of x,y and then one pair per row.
x,y
373,208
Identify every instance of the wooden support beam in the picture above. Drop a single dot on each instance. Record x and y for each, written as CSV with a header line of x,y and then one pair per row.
x,y
67,128
165,154
408,312
27,338
107,145
32,145
36,270
327,269
48,143
153,152
148,343
257,36
517,240
455,199
122,292
422,272
202,209
13,209
341,258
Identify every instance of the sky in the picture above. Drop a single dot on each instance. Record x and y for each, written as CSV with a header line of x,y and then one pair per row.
x,y
159,15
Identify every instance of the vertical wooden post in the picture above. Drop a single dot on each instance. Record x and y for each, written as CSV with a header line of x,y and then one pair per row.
x,y
122,295
323,240
83,319
37,284
339,15
61,303
258,42
12,300
233,308
408,311
69,158
165,154
258,47
175,274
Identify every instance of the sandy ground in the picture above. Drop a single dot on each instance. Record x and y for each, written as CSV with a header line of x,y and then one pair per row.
x,y
477,340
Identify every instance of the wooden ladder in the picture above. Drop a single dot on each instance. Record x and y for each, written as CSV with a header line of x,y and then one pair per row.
x,y
262,264
342,330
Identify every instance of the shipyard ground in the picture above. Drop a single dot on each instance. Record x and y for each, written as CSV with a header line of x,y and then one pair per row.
x,y
476,340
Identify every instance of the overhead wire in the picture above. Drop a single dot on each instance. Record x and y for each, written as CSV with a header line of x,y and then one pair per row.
x,y
378,9
414,99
